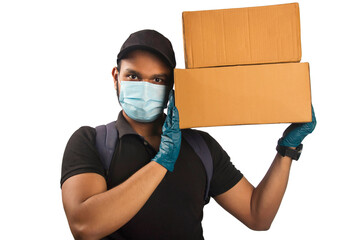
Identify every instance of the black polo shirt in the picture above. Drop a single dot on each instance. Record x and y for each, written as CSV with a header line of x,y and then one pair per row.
x,y
175,209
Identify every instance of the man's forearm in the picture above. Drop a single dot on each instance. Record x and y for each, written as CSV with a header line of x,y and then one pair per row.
x,y
106,212
267,196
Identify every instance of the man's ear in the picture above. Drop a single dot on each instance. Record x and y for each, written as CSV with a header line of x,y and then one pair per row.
x,y
115,74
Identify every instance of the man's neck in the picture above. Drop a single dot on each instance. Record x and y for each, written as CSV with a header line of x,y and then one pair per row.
x,y
150,129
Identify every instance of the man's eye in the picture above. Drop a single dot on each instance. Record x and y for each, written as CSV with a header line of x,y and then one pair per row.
x,y
158,80
132,77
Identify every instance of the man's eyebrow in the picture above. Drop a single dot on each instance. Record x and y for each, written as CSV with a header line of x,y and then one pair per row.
x,y
160,75
131,71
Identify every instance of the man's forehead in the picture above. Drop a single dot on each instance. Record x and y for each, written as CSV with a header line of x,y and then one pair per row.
x,y
139,60
143,53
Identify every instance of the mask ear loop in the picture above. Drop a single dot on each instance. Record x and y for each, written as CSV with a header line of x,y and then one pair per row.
x,y
168,90
117,82
117,88
118,93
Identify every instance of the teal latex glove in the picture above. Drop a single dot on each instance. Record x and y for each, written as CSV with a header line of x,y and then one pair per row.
x,y
296,132
170,138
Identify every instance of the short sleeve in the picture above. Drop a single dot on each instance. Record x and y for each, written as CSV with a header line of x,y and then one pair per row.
x,y
225,174
80,155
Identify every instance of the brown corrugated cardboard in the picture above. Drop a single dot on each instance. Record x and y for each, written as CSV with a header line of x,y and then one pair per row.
x,y
240,36
254,94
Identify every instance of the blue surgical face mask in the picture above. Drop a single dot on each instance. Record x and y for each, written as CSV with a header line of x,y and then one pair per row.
x,y
142,101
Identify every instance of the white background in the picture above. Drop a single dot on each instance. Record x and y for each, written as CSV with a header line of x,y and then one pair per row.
x,y
55,74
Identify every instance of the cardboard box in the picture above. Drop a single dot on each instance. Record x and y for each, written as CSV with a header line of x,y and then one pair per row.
x,y
254,35
254,94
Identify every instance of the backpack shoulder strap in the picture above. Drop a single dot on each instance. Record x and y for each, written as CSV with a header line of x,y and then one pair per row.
x,y
107,135
106,138
200,147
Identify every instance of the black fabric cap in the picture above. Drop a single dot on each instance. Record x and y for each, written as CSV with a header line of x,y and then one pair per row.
x,y
149,40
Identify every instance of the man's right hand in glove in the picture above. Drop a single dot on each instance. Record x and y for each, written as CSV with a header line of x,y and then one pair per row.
x,y
170,138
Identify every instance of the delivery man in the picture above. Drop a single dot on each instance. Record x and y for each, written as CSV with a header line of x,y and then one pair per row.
x,y
155,184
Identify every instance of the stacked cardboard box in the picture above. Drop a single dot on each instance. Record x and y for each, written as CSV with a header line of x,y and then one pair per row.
x,y
242,67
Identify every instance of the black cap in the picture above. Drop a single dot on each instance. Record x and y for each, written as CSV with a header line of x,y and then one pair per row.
x,y
150,40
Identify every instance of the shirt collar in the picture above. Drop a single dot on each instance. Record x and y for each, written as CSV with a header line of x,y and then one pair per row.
x,y
123,126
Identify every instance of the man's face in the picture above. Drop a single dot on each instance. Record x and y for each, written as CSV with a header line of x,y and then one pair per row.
x,y
142,65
